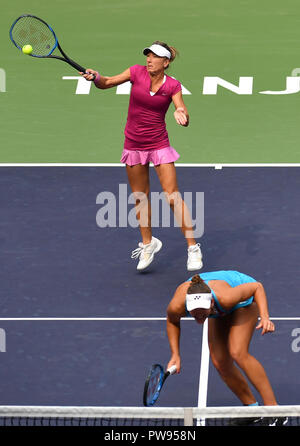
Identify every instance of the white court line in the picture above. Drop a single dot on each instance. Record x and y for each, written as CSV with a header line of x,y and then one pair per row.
x,y
215,165
204,369
82,319
117,319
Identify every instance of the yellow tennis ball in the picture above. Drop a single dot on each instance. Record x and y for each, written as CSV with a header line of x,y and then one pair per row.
x,y
27,49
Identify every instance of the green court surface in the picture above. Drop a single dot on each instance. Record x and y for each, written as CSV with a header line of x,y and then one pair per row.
x,y
43,120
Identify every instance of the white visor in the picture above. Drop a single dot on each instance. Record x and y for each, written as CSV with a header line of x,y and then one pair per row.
x,y
159,50
199,300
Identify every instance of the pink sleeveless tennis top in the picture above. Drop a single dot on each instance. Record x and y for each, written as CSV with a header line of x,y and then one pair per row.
x,y
146,128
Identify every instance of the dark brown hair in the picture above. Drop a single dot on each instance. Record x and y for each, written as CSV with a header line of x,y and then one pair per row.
x,y
198,286
174,52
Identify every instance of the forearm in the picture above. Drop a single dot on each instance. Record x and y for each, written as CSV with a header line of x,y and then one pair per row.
x,y
261,300
102,82
181,114
173,332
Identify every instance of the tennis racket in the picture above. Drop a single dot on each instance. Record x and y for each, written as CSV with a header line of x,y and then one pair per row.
x,y
31,30
154,383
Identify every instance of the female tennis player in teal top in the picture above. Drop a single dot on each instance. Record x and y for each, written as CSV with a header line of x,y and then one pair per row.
x,y
232,302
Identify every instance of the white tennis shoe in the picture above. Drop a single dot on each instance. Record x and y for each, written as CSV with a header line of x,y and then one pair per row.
x,y
194,260
145,253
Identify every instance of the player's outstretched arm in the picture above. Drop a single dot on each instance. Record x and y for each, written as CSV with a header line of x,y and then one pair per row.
x,y
104,82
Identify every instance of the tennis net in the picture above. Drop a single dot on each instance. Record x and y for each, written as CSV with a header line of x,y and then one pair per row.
x,y
149,416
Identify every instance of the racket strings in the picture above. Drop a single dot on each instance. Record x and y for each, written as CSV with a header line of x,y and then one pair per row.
x,y
153,384
32,31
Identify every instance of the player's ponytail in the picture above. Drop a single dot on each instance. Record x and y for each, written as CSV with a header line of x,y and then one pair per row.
x,y
196,279
198,285
174,52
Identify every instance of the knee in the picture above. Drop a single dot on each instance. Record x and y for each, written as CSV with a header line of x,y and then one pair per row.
x,y
173,197
239,355
222,364
141,197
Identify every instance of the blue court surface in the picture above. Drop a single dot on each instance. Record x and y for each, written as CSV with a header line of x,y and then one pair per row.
x,y
80,326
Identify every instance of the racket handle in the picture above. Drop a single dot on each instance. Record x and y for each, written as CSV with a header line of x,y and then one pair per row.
x,y
172,370
75,65
78,67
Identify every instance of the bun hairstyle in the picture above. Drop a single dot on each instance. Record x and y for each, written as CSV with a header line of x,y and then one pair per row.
x,y
174,52
198,286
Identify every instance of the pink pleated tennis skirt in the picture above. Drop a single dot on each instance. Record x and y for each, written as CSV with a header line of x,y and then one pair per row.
x,y
155,156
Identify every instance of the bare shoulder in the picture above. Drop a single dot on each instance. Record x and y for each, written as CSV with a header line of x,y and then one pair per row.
x,y
221,290
219,285
229,296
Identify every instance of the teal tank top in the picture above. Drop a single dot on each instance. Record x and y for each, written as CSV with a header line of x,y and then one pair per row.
x,y
233,278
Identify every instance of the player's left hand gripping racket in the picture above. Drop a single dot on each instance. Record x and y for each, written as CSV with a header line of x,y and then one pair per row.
x,y
31,30
154,383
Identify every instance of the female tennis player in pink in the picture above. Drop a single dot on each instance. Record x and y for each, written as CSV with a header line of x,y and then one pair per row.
x,y
146,140
232,301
